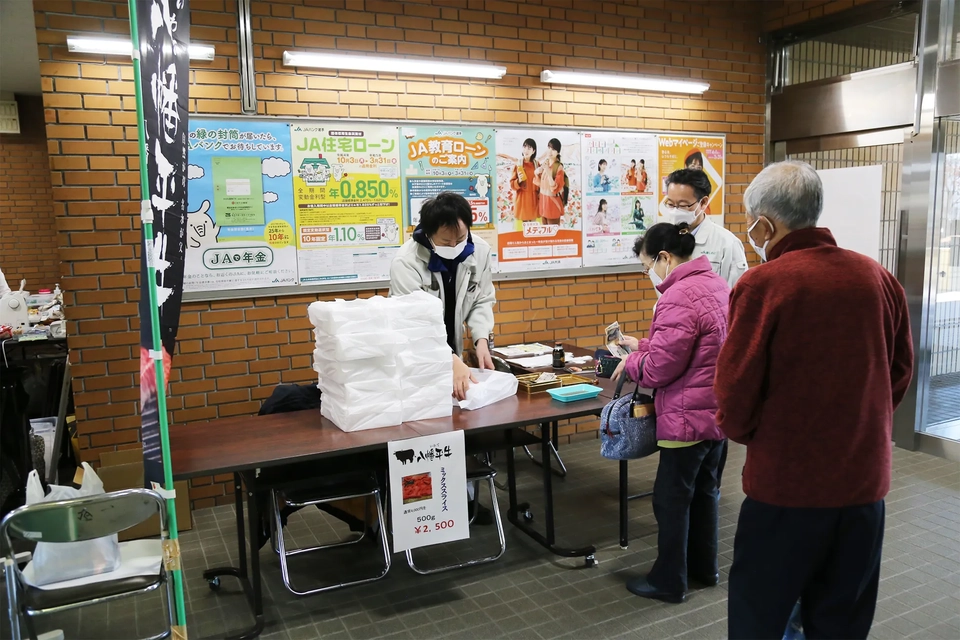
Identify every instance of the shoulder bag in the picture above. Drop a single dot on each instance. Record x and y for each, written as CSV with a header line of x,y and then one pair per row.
x,y
628,425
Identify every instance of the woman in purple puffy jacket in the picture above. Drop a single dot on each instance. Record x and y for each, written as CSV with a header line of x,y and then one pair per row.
x,y
679,361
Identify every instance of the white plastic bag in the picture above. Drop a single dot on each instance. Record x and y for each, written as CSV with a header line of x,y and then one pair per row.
x,y
418,309
59,561
348,316
358,346
360,418
492,386
359,393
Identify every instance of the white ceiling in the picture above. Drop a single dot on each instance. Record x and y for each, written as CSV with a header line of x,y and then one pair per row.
x,y
19,64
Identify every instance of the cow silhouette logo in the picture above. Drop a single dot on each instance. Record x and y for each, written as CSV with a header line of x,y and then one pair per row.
x,y
404,456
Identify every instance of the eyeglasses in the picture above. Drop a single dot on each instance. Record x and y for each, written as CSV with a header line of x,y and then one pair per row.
x,y
685,207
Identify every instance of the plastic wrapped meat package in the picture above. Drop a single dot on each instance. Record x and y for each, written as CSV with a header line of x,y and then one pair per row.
x,y
358,346
383,370
491,387
416,310
349,316
381,361
360,393
431,361
360,418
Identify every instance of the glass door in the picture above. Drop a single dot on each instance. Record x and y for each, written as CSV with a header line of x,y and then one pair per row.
x,y
941,416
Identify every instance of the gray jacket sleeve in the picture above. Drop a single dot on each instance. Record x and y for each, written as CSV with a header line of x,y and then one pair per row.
x,y
404,278
734,263
480,317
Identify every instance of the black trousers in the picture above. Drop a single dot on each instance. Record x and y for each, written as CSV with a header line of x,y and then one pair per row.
x,y
722,463
685,505
828,558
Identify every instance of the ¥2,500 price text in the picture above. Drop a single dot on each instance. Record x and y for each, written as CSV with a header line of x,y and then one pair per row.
x,y
437,526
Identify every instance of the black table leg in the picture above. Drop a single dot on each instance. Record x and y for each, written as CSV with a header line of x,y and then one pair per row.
x,y
625,497
624,516
549,540
251,589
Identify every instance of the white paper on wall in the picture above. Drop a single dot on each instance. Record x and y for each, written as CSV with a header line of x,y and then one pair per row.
x,y
853,207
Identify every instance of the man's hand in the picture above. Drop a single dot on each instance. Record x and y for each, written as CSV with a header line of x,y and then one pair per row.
x,y
629,343
619,370
484,359
462,377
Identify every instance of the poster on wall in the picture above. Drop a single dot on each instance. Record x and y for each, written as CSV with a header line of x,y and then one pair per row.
x,y
705,153
539,200
347,200
240,220
459,159
619,194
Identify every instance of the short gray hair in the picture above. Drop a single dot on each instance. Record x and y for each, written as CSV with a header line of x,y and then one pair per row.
x,y
789,192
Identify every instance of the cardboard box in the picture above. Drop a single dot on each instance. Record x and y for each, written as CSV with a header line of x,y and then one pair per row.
x,y
124,470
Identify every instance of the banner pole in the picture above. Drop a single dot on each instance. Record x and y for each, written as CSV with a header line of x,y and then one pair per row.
x,y
171,554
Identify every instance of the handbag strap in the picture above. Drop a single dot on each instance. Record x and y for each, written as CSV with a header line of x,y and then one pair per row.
x,y
623,378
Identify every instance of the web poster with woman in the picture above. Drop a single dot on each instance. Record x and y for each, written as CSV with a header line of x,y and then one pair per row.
x,y
539,199
619,201
705,153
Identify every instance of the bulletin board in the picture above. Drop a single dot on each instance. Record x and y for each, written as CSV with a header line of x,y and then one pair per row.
x,y
290,206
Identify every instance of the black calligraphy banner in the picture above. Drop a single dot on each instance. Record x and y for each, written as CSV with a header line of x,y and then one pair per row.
x,y
164,33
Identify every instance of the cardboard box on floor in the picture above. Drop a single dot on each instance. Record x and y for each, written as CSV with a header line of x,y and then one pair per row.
x,y
124,470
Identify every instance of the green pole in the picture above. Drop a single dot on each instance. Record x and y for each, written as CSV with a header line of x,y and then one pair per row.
x,y
180,625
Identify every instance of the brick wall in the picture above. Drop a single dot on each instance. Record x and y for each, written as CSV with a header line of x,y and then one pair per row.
x,y
28,234
786,13
232,353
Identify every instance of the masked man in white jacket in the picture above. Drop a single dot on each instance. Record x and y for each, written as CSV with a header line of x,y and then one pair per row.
x,y
444,259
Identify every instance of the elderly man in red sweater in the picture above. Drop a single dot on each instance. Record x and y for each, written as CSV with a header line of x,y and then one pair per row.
x,y
818,356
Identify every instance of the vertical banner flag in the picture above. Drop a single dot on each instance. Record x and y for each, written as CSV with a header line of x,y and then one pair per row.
x,y
164,32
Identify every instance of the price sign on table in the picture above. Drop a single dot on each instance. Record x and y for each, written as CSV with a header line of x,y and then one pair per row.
x,y
428,490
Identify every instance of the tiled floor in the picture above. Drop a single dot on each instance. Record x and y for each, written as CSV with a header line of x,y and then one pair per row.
x,y
531,594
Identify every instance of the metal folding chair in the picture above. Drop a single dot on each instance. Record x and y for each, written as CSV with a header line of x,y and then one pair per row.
x,y
342,487
76,521
477,472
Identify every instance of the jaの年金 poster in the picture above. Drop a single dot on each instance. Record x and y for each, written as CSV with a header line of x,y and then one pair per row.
x,y
460,159
348,201
252,158
705,153
539,199
619,202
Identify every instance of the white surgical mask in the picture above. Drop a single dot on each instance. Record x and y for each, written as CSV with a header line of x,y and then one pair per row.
x,y
449,253
679,216
655,277
761,251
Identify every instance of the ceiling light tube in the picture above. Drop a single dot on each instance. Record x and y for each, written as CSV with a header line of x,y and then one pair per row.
x,y
122,47
383,64
639,83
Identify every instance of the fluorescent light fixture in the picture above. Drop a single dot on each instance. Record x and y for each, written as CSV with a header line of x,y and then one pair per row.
x,y
640,83
383,64
122,47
